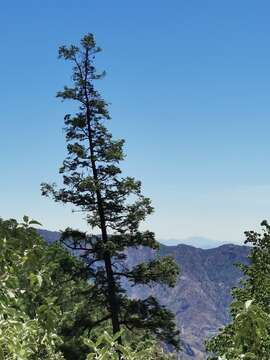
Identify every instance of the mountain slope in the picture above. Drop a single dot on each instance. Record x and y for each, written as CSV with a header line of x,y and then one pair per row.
x,y
201,297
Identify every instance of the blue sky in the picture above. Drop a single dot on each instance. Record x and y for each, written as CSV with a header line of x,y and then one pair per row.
x,y
189,87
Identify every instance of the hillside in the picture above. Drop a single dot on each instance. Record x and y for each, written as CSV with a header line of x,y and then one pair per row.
x,y
201,297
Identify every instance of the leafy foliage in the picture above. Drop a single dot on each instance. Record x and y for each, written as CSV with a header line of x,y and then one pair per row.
x,y
248,335
27,325
45,311
106,347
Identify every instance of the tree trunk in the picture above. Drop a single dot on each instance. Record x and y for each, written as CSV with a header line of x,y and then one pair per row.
x,y
112,298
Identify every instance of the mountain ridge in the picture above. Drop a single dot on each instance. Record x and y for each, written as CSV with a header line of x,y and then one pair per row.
x,y
200,242
201,298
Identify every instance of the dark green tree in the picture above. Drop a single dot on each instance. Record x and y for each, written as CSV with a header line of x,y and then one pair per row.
x,y
248,334
113,204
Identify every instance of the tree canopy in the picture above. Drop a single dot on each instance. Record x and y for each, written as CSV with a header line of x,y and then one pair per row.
x,y
248,335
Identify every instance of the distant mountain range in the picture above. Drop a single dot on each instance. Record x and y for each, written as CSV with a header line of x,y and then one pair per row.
x,y
201,297
196,241
49,236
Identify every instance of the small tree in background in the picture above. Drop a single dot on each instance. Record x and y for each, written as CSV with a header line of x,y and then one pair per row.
x,y
113,204
247,337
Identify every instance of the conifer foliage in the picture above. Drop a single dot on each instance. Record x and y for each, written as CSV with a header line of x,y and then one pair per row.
x,y
114,205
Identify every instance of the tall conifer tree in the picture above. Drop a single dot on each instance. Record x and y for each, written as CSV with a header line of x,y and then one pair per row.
x,y
114,205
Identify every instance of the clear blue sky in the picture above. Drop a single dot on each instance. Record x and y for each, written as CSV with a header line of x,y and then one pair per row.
x,y
189,87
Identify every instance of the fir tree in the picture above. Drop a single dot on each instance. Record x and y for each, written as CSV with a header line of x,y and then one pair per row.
x,y
114,205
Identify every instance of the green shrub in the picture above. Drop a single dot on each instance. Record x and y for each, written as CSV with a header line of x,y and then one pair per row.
x,y
107,347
